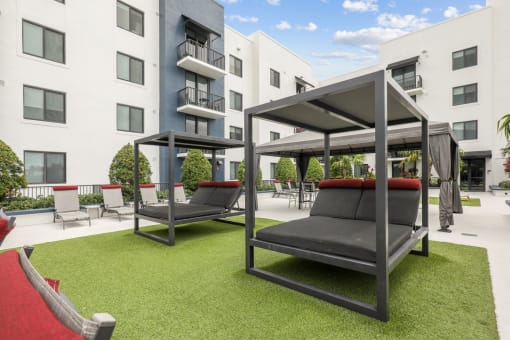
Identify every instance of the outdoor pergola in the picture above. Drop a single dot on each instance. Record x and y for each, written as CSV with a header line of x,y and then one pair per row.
x,y
373,101
443,151
172,140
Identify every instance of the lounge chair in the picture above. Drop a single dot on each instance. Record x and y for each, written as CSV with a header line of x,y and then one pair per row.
x,y
67,205
6,225
113,201
150,195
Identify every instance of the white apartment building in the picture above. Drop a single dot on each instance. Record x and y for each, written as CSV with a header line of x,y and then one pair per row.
x,y
75,89
260,70
457,71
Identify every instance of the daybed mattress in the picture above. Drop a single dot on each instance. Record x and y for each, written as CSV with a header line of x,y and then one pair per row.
x,y
350,238
182,211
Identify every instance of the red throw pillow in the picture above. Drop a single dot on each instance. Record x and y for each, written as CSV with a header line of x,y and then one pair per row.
x,y
53,283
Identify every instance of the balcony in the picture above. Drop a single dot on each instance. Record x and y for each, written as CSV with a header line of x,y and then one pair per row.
x,y
195,57
200,103
412,86
183,152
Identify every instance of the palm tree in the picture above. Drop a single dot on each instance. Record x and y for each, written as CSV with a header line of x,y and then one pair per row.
x,y
504,126
411,156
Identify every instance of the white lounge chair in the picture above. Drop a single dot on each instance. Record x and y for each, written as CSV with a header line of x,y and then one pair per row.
x,y
150,195
114,202
67,205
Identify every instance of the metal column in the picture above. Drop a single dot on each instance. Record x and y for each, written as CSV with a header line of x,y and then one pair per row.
x,y
213,163
425,184
250,190
327,156
381,194
171,189
136,174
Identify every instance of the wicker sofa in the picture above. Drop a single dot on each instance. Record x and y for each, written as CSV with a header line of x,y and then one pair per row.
x,y
31,309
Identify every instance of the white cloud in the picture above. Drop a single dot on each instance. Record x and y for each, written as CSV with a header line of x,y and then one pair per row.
x,y
360,5
475,7
243,19
344,55
284,25
230,1
426,10
451,12
408,22
368,38
273,2
310,27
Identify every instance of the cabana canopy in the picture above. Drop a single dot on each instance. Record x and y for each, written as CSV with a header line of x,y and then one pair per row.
x,y
371,101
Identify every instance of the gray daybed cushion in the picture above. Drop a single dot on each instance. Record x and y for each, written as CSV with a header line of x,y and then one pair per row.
x,y
182,211
338,198
350,238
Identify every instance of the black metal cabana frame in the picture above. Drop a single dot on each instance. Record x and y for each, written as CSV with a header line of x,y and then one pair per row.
x,y
371,101
173,140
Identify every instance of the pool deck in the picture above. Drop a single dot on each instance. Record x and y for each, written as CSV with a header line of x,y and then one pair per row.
x,y
487,226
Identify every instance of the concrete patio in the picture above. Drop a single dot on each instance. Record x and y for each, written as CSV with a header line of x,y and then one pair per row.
x,y
487,226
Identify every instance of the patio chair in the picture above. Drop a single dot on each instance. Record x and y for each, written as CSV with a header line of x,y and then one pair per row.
x,y
113,201
150,195
278,188
6,225
67,205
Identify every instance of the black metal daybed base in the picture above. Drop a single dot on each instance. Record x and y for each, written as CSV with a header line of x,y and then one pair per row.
x,y
212,201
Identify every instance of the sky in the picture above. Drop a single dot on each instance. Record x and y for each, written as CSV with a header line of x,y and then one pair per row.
x,y
339,36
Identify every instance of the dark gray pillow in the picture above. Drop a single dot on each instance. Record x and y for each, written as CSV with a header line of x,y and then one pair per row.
x,y
224,197
201,196
336,202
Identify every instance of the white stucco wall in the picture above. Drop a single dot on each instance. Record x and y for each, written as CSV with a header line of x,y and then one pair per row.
x,y
89,137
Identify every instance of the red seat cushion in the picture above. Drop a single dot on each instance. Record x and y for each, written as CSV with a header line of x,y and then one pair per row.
x,y
4,224
23,312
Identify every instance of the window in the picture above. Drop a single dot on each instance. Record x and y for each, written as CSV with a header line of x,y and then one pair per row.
x,y
273,170
234,168
129,118
197,125
236,133
45,105
45,167
43,42
465,58
275,78
274,136
300,88
129,68
466,130
236,66
236,101
465,94
405,76
129,18
197,89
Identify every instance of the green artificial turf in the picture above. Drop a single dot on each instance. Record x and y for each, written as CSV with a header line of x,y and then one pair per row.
x,y
198,289
472,202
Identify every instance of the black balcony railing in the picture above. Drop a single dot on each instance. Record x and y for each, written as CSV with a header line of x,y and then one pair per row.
x,y
411,83
201,52
192,96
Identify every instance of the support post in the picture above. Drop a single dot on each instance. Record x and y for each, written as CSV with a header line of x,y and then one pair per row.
x,y
136,174
250,191
327,155
213,163
381,194
425,184
171,189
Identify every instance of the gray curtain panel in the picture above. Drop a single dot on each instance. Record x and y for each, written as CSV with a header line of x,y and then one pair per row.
x,y
441,159
457,204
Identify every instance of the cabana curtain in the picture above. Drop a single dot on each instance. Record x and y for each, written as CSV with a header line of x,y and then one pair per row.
x,y
457,204
440,153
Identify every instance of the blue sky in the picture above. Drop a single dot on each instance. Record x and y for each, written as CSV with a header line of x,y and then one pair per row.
x,y
338,36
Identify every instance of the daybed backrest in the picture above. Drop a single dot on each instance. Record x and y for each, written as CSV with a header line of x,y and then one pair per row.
x,y
66,198
403,201
222,193
338,198
112,195
202,194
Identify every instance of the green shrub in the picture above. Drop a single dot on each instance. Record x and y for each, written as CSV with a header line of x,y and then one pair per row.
x,y
122,170
314,172
285,170
195,168
26,203
341,168
11,172
504,184
89,199
240,174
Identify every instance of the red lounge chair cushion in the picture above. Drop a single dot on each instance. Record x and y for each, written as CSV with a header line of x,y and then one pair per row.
x,y
4,224
396,184
111,186
65,187
23,312
150,185
220,184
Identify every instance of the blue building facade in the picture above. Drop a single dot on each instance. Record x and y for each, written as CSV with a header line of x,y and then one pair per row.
x,y
191,80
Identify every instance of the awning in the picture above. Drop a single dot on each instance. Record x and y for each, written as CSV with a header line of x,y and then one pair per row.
x,y
477,154
402,63
301,81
